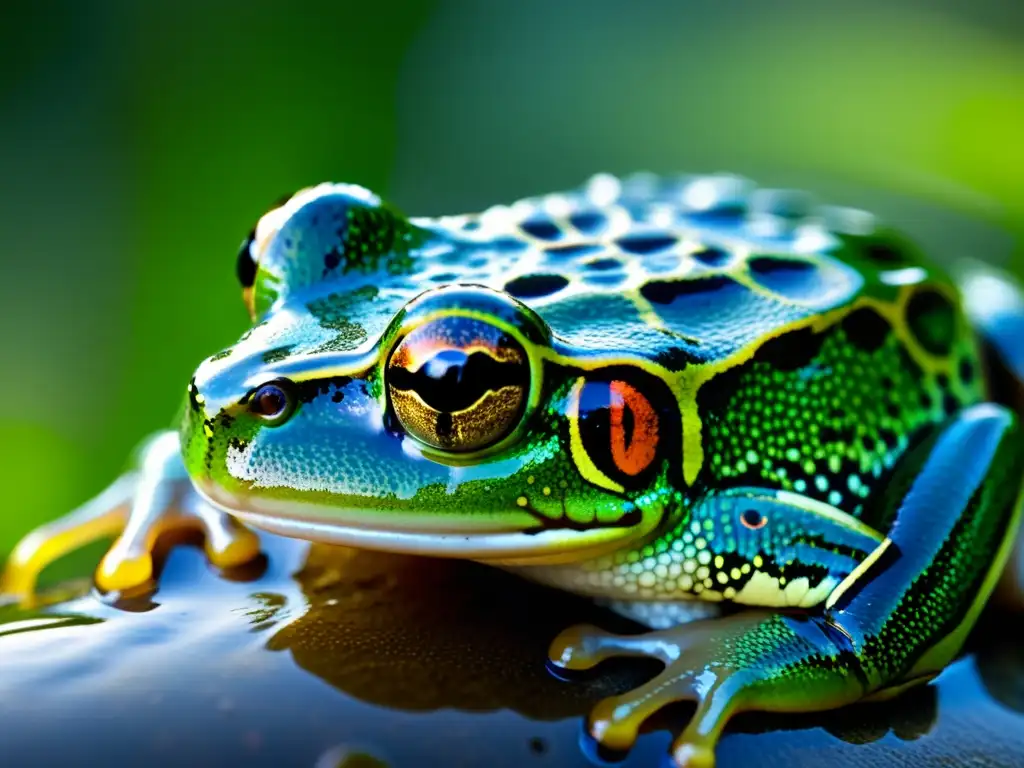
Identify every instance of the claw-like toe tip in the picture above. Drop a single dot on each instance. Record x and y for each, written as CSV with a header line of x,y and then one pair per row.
x,y
243,547
613,733
694,756
574,648
119,572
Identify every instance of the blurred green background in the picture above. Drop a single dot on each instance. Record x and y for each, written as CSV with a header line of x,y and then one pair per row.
x,y
139,141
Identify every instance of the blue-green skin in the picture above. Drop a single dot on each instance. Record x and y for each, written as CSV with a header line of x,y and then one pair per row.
x,y
809,377
857,347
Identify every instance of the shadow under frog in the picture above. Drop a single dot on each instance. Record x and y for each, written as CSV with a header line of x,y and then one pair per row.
x,y
437,659
415,634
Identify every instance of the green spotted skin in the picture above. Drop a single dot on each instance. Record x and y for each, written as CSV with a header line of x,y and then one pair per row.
x,y
661,340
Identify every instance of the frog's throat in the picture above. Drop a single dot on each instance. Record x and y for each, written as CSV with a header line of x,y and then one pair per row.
x,y
354,528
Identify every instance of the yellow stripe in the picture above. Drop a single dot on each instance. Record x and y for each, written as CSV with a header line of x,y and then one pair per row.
x,y
857,573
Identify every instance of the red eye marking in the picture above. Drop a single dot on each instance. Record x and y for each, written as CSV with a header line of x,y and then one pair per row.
x,y
634,429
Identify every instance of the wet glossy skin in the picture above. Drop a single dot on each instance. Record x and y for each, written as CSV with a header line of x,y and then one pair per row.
x,y
651,392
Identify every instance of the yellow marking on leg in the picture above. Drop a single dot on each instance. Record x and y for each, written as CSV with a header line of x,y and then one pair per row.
x,y
857,573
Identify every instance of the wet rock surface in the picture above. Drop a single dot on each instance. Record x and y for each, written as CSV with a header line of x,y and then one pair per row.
x,y
330,657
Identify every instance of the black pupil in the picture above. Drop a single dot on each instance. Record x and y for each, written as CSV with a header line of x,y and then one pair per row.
x,y
269,401
752,517
452,381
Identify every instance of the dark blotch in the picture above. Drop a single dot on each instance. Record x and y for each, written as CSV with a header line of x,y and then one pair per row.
x,y
535,286
791,351
571,250
966,371
642,244
667,291
884,253
712,257
676,358
541,227
331,260
866,329
589,222
932,320
602,264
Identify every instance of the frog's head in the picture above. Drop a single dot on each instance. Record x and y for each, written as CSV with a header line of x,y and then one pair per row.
x,y
362,410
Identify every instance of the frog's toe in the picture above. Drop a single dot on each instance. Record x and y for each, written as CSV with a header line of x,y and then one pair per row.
x,y
615,721
126,567
228,542
584,646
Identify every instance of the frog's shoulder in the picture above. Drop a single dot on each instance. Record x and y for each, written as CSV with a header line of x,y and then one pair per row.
x,y
680,270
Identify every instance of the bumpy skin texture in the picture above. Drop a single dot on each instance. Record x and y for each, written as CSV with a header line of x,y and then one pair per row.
x,y
647,390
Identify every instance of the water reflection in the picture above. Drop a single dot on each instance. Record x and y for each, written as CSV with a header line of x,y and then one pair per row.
x,y
334,653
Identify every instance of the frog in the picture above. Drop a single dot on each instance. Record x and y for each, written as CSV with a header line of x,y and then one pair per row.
x,y
772,432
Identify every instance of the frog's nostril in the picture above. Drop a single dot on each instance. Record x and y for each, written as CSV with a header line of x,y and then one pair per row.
x,y
753,519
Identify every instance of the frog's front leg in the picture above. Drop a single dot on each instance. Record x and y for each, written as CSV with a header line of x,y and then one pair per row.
x,y
896,621
154,498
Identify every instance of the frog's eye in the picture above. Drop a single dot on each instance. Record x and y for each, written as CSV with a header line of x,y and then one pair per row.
x,y
245,266
458,383
616,430
272,402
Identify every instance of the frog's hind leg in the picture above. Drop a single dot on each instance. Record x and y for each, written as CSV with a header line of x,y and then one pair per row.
x,y
898,618
994,302
139,508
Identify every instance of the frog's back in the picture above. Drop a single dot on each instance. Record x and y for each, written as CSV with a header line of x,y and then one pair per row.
x,y
680,271
807,349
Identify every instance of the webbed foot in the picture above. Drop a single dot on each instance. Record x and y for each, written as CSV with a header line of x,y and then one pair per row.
x,y
724,665
138,508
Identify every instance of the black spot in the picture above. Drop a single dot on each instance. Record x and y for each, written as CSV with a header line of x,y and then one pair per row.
x,y
887,382
535,286
643,244
245,267
331,260
601,264
866,329
538,746
925,398
942,380
541,227
667,291
712,257
884,253
571,250
507,244
277,354
932,320
676,358
767,265
604,278
966,371
791,351
589,222
949,403
893,409
308,391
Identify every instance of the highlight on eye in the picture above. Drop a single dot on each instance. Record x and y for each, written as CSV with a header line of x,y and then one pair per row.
x,y
458,383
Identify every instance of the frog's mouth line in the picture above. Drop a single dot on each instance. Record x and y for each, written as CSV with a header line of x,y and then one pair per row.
x,y
355,528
